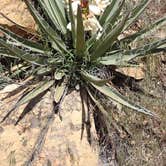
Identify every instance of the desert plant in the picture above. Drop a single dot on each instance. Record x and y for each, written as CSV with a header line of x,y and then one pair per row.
x,y
66,59
4,80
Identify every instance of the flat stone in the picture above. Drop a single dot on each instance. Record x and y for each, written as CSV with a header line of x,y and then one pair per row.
x,y
17,11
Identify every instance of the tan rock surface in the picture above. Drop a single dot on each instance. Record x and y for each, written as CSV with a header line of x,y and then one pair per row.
x,y
16,10
62,144
135,72
17,142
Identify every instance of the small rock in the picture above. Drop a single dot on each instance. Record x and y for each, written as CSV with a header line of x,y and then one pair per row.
x,y
135,72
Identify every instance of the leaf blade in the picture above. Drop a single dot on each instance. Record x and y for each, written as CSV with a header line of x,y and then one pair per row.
x,y
32,94
59,91
116,96
80,36
73,29
136,12
23,42
125,56
107,42
90,78
22,54
55,39
145,31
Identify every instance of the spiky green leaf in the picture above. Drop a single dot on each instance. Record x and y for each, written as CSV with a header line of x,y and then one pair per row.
x,y
142,33
124,56
58,75
103,45
80,35
44,71
110,10
33,46
113,16
116,96
56,11
38,90
22,54
55,39
59,91
72,20
90,78
6,53
101,108
136,12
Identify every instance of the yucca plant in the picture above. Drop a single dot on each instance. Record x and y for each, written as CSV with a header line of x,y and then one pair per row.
x,y
64,59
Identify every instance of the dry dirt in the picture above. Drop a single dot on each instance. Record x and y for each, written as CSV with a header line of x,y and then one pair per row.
x,y
17,11
62,144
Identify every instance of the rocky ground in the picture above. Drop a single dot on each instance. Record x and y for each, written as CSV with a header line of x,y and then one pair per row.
x,y
62,144
136,139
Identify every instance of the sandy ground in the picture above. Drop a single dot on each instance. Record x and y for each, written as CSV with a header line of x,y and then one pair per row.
x,y
62,145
